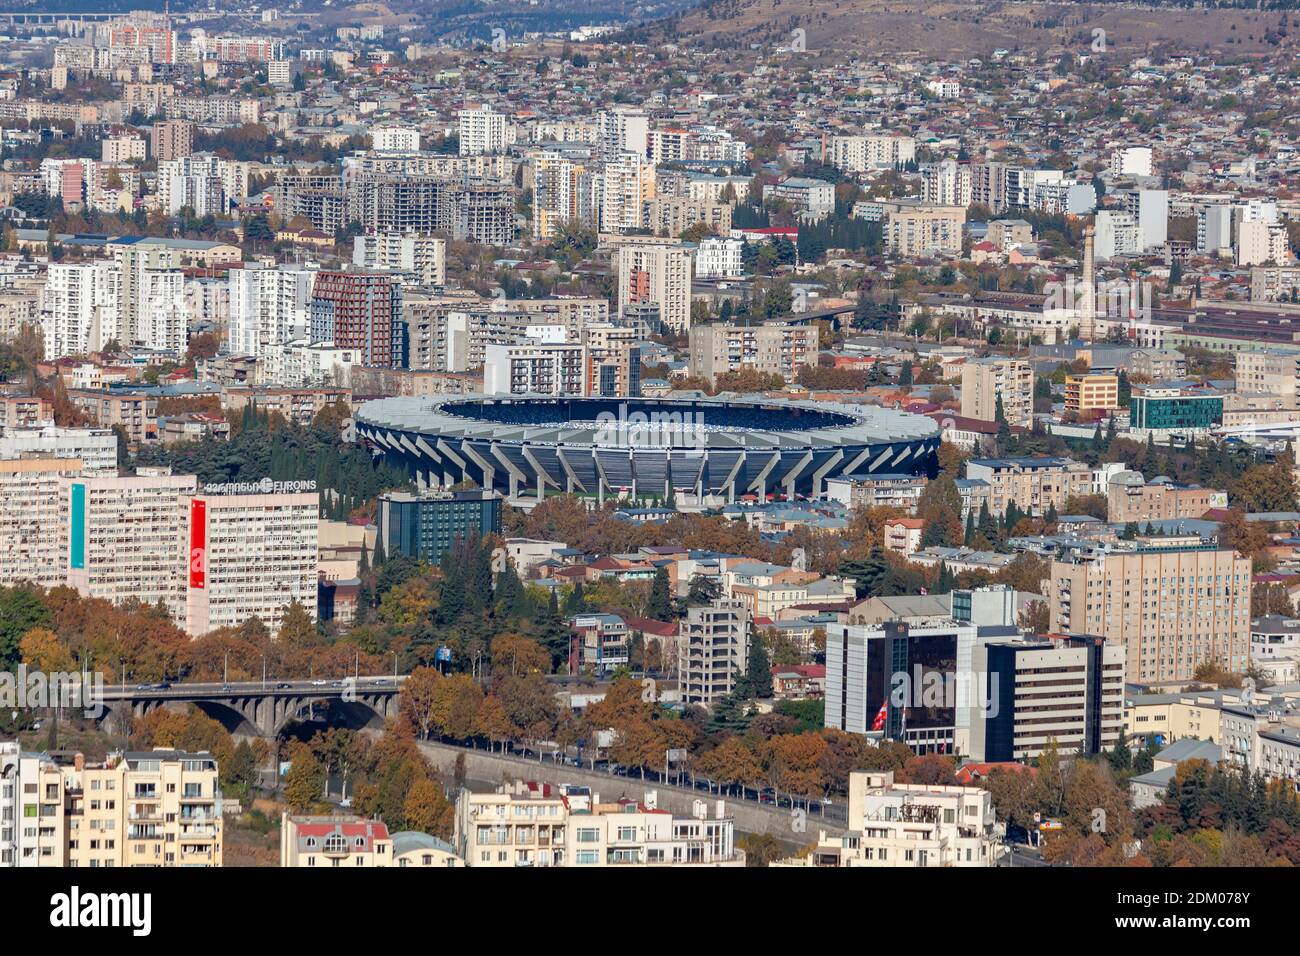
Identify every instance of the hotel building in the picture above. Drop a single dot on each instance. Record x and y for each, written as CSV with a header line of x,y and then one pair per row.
x,y
250,554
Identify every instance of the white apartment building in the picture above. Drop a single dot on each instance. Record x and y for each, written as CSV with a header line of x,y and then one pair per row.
x,y
719,258
32,810
625,185
395,139
124,537
1131,161
80,313
251,555
1260,242
539,825
859,154
775,347
1150,208
122,149
140,296
946,183
911,825
624,129
1213,226
29,518
95,449
424,256
1116,234
204,182
659,273
539,368
269,307
712,650
158,808
279,72
305,364
163,319
812,197
703,143
483,130
564,191
944,89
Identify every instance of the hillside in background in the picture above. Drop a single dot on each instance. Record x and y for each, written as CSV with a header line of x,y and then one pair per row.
x,y
948,29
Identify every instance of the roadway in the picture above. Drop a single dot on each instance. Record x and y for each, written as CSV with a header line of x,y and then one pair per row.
x,y
165,690
832,810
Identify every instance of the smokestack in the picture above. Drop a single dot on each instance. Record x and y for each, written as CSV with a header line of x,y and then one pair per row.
x,y
1087,300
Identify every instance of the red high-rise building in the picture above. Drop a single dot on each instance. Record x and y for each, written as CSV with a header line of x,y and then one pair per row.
x,y
362,311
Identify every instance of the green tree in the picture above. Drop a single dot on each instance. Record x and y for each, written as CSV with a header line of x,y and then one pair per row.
x,y
305,782
756,682
660,605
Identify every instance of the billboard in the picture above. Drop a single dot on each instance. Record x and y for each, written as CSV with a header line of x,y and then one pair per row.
x,y
198,542
77,526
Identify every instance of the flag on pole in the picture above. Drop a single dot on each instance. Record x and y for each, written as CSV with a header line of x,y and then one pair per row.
x,y
879,722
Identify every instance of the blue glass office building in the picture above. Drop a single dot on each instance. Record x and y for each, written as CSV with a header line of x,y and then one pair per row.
x,y
426,526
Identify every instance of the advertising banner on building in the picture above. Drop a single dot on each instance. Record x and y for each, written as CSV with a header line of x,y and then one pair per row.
x,y
198,542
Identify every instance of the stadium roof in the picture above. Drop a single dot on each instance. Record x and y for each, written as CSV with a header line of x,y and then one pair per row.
x,y
725,424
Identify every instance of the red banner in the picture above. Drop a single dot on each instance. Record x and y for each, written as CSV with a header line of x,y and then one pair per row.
x,y
198,542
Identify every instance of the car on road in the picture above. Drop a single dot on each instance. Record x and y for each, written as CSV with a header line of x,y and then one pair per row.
x,y
226,687
282,686
319,683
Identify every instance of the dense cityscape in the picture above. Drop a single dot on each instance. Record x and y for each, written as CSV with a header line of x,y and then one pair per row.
x,y
693,436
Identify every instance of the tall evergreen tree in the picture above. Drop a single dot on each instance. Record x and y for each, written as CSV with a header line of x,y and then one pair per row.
x,y
756,682
660,606
511,598
552,632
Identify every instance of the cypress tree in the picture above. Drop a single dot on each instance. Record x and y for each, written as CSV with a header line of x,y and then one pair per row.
x,y
660,606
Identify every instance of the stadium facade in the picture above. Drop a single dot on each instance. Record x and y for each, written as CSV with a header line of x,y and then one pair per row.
x,y
705,450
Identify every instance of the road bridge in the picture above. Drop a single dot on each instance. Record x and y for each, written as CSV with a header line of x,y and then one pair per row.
x,y
263,708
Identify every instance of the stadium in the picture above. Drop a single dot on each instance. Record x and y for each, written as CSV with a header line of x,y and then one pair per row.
x,y
708,450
